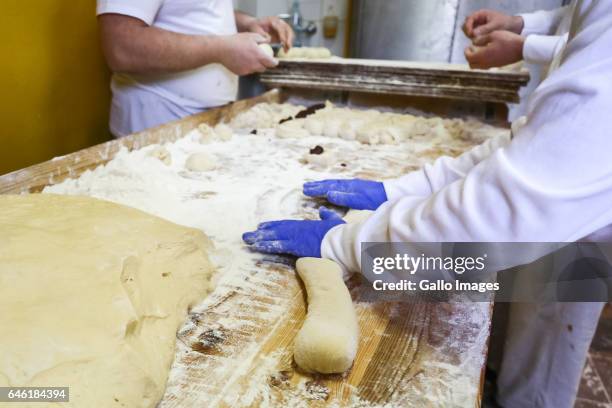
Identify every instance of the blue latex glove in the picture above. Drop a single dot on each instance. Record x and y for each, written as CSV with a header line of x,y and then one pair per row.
x,y
299,238
356,194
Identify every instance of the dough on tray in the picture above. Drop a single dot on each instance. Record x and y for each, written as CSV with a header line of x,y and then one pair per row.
x,y
265,115
306,52
327,342
365,126
93,294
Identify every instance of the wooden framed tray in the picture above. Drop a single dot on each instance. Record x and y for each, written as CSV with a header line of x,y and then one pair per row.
x,y
436,80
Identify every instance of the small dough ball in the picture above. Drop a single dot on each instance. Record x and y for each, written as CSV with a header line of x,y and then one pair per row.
x,y
201,162
332,127
390,135
321,161
207,133
348,130
419,129
369,134
162,154
224,132
439,132
406,129
292,130
314,126
267,49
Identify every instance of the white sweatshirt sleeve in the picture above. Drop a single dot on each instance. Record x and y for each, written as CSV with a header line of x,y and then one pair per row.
x,y
543,22
541,49
445,170
552,183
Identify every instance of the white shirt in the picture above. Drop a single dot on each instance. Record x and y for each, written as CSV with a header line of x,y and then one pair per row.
x,y
192,91
551,183
546,34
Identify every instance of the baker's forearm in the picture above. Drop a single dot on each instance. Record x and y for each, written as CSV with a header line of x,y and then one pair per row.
x,y
243,21
131,46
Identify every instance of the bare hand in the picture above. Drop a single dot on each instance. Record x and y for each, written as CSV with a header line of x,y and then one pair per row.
x,y
240,53
485,22
497,49
274,30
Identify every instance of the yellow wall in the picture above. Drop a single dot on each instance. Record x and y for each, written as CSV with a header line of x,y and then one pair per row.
x,y
54,85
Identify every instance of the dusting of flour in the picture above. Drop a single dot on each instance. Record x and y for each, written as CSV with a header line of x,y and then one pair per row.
x,y
258,178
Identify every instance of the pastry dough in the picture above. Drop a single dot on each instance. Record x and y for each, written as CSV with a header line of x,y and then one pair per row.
x,y
292,129
327,342
207,134
92,295
321,161
162,154
265,115
267,49
201,162
306,52
224,132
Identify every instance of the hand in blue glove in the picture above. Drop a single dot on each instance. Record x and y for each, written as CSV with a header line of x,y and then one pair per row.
x,y
356,194
299,238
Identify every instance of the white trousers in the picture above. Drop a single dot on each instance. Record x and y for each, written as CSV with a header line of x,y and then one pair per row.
x,y
545,352
136,109
547,343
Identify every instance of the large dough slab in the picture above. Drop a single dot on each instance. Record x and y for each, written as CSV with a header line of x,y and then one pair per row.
x,y
91,297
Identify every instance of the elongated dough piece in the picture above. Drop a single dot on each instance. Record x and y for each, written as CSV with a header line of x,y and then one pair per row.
x,y
327,342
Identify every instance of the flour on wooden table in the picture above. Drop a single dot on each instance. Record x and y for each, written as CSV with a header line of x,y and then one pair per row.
x,y
258,178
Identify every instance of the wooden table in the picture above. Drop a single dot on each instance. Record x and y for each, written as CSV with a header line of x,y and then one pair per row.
x,y
422,355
